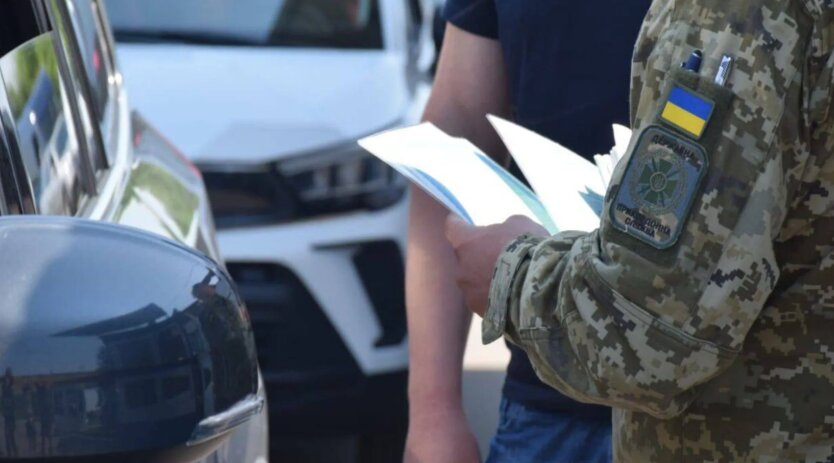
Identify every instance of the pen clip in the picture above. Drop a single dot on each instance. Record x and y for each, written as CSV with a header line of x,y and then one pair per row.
x,y
724,70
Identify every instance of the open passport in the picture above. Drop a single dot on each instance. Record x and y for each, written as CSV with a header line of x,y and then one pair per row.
x,y
569,189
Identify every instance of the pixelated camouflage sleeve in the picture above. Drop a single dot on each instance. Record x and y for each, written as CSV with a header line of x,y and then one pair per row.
x,y
659,299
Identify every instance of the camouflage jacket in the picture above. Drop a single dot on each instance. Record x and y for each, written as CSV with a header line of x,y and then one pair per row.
x,y
702,309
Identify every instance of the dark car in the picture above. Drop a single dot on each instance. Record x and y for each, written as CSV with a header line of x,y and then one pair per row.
x,y
121,336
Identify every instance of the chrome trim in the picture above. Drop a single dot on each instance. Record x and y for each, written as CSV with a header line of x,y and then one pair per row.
x,y
8,138
70,22
88,175
223,422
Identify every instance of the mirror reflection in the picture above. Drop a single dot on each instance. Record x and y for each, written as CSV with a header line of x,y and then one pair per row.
x,y
40,106
159,372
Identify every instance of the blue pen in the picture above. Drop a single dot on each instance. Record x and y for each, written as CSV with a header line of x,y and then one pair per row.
x,y
693,63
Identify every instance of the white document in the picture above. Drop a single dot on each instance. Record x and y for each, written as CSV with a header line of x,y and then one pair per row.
x,y
622,140
570,187
457,174
608,162
569,190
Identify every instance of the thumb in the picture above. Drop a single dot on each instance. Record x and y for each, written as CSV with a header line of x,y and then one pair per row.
x,y
457,229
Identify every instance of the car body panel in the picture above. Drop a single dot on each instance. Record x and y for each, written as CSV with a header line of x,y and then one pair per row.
x,y
163,193
323,262
260,105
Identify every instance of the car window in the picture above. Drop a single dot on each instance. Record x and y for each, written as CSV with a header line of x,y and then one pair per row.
x,y
306,23
41,114
97,72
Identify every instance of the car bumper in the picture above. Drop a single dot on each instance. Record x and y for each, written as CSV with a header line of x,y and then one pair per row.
x,y
326,298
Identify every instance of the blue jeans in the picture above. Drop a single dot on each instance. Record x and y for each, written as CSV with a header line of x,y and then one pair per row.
x,y
527,435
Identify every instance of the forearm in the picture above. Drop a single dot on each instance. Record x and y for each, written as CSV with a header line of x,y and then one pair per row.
x,y
437,319
602,324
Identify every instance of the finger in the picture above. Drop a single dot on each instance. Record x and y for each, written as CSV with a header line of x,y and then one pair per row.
x,y
457,229
521,221
518,218
524,224
460,281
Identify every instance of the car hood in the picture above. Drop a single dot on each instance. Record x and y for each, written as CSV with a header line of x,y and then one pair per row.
x,y
252,105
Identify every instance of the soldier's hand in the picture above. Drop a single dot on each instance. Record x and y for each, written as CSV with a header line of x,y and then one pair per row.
x,y
477,250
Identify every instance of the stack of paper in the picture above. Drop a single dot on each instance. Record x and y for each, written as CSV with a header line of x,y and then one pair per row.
x,y
607,163
569,190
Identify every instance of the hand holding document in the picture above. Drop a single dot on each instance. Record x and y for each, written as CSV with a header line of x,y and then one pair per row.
x,y
464,179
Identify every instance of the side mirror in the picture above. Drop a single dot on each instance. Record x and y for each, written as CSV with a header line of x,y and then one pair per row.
x,y
117,345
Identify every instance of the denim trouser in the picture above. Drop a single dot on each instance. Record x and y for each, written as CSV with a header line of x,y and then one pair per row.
x,y
527,435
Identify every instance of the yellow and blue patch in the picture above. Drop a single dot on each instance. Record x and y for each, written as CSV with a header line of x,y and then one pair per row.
x,y
687,111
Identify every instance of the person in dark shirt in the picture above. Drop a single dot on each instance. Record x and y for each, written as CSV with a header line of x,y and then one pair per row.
x,y
561,69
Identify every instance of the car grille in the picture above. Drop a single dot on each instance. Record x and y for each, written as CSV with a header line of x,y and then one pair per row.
x,y
381,270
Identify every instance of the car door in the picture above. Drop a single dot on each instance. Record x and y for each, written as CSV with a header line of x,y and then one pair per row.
x,y
70,147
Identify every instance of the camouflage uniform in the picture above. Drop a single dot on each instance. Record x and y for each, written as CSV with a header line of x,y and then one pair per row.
x,y
716,344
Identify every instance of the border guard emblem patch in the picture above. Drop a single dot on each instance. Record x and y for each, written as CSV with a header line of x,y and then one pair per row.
x,y
660,183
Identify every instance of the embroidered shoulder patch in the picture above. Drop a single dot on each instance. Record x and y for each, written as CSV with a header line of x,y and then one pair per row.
x,y
658,188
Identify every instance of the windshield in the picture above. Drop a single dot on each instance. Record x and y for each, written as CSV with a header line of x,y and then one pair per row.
x,y
304,23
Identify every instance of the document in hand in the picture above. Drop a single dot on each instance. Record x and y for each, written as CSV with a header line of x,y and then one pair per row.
x,y
569,189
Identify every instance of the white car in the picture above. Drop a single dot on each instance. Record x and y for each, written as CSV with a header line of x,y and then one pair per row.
x,y
268,98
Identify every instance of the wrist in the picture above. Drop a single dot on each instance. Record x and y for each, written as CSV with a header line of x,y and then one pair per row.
x,y
430,406
435,377
435,398
511,265
436,417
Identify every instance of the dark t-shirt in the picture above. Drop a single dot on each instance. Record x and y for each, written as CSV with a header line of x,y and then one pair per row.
x,y
569,65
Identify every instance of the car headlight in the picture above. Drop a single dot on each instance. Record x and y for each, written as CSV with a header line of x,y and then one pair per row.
x,y
342,179
337,180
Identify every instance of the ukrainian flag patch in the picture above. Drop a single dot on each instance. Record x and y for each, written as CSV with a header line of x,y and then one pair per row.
x,y
687,111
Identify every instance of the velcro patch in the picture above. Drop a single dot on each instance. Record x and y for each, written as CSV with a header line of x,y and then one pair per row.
x,y
660,183
687,111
